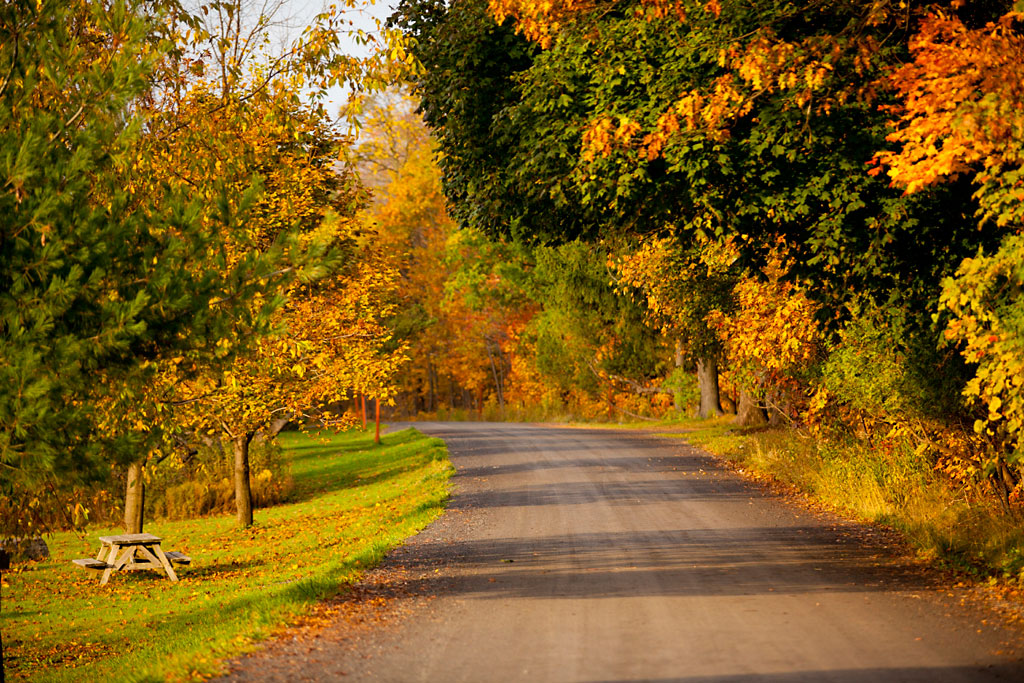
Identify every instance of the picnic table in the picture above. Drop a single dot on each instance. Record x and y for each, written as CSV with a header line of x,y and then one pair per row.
x,y
131,552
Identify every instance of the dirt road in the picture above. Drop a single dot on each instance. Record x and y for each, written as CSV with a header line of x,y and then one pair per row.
x,y
595,555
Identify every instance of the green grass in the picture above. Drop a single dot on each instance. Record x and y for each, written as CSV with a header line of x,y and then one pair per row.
x,y
351,503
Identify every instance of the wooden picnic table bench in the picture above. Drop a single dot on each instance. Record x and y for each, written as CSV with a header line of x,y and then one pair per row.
x,y
131,552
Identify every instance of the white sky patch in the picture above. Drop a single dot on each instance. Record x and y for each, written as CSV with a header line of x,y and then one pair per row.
x,y
289,18
364,17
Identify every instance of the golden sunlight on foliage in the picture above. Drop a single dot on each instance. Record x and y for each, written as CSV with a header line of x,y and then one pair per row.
x,y
961,109
772,332
989,329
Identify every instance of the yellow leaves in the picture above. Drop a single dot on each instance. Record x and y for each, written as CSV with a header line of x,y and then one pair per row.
x,y
626,130
773,328
983,301
668,124
538,21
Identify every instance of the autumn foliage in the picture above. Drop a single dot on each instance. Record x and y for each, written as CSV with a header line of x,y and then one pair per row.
x,y
569,209
960,113
197,252
818,203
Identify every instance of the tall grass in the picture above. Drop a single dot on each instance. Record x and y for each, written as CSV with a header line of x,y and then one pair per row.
x,y
890,485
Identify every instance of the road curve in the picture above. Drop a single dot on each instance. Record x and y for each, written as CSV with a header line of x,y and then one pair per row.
x,y
599,555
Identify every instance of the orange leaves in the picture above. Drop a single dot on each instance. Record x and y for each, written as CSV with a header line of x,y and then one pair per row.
x,y
539,20
668,125
961,104
597,139
765,61
961,113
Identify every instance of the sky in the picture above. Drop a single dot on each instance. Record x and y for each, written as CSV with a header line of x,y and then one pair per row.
x,y
302,12
290,17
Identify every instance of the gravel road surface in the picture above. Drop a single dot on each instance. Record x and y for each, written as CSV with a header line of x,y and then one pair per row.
x,y
572,554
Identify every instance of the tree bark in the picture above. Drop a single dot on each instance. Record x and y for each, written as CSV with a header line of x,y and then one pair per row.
x,y
707,378
276,427
376,434
748,412
497,379
678,399
134,499
362,400
243,486
432,377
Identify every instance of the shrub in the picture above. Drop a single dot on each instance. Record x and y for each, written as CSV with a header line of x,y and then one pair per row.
x,y
203,484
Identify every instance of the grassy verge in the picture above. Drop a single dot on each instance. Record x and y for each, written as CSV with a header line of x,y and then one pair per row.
x,y
891,486
352,502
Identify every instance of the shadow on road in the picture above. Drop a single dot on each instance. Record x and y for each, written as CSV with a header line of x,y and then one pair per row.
x,y
995,672
632,492
747,561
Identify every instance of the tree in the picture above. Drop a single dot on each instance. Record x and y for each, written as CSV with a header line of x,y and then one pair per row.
x,y
682,287
725,120
99,285
771,337
407,216
485,308
240,128
587,336
959,116
277,157
467,86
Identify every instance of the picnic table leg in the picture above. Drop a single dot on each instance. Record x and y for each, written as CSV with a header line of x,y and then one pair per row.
x,y
111,558
166,563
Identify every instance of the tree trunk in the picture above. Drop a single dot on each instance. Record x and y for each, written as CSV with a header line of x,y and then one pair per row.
x,y
707,378
134,499
497,380
362,400
376,435
678,396
432,377
243,486
748,412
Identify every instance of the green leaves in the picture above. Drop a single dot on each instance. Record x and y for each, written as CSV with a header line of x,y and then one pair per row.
x,y
985,304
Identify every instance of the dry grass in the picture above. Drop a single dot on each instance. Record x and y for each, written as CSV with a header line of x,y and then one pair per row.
x,y
889,486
